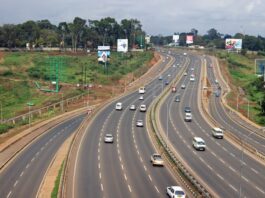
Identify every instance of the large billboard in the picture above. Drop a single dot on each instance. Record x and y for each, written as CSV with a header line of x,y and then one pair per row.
x,y
176,38
189,39
233,44
260,67
122,45
103,53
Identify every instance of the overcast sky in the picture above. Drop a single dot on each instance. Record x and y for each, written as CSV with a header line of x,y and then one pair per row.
x,y
157,16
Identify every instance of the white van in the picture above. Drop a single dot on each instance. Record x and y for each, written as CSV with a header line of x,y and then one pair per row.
x,y
198,143
188,117
141,90
118,106
217,133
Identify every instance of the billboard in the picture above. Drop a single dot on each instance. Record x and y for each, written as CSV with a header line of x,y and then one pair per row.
x,y
233,44
176,38
103,53
259,67
189,39
122,45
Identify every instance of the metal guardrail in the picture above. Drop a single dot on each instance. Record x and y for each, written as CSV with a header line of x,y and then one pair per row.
x,y
42,110
198,186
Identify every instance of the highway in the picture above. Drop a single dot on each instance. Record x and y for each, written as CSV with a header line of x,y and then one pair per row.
x,y
227,121
23,176
121,169
219,167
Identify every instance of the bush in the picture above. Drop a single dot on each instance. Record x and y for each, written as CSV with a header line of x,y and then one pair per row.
x,y
5,127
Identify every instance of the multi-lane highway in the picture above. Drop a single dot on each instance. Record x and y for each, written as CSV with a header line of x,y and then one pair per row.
x,y
122,169
219,167
225,119
23,176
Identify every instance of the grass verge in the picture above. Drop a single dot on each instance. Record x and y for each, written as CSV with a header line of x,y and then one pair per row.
x,y
55,190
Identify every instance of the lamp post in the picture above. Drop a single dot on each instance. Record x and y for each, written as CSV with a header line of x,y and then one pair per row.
x,y
241,165
29,106
1,113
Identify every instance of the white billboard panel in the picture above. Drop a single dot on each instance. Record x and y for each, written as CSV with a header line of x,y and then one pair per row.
x,y
122,45
104,48
233,44
176,38
189,39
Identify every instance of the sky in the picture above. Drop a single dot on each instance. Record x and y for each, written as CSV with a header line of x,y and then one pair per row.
x,y
163,17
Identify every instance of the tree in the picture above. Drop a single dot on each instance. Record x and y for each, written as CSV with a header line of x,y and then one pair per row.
x,y
76,28
213,34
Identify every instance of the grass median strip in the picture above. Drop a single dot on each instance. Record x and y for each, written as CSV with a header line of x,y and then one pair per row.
x,y
55,190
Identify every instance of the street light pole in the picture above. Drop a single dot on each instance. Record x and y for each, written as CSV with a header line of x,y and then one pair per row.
x,y
241,165
167,124
1,113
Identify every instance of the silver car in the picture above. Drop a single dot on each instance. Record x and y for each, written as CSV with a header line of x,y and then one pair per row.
x,y
157,160
139,123
108,138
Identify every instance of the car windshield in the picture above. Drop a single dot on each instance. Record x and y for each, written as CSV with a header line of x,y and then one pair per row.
x,y
108,135
201,143
179,193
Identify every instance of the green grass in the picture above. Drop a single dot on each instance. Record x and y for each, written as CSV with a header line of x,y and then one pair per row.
x,y
19,71
55,190
242,69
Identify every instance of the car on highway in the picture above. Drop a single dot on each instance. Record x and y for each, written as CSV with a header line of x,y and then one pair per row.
x,y
143,108
188,117
141,98
217,133
185,74
177,98
139,123
118,106
198,143
192,69
166,82
132,107
175,192
157,160
141,90
160,78
192,79
183,86
173,89
187,109
108,138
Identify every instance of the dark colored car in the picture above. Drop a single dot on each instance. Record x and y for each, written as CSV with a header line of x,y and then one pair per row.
x,y
187,109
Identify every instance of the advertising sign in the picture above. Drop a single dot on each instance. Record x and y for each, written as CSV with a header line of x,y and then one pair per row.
x,y
259,67
189,39
176,38
233,44
122,45
103,53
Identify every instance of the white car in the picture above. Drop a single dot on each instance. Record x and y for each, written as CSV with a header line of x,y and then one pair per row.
x,y
132,107
198,143
185,74
143,108
118,106
175,191
108,138
183,86
217,133
139,123
192,79
188,117
141,97
157,160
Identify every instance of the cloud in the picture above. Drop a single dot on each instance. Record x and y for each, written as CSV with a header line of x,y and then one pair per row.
x,y
157,16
